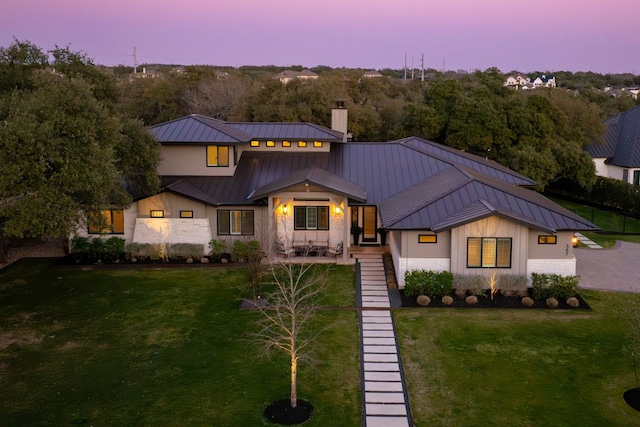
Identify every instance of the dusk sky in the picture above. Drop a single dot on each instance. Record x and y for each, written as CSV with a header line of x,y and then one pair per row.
x,y
543,35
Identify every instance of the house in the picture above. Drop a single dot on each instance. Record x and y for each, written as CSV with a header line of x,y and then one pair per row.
x,y
544,81
287,75
618,155
300,183
372,74
516,81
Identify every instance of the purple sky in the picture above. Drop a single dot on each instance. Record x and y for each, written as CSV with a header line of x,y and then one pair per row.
x,y
526,35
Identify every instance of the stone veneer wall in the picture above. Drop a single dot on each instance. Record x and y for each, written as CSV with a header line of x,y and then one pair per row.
x,y
173,230
563,267
407,264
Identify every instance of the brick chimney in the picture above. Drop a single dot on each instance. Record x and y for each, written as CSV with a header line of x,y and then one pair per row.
x,y
339,117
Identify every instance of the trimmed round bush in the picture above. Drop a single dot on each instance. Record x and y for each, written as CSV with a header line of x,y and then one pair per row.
x,y
447,300
423,300
573,302
527,302
552,302
471,300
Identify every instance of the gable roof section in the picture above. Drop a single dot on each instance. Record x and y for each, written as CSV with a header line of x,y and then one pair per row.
x,y
287,131
312,175
477,163
198,129
461,196
622,140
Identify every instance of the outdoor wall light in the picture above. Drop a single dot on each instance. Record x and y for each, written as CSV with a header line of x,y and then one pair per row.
x,y
337,210
285,209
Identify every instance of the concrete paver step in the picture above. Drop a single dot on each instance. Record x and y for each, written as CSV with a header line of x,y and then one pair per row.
x,y
387,421
383,397
386,409
381,367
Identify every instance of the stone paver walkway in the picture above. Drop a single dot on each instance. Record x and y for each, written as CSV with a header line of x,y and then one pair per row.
x,y
588,242
385,398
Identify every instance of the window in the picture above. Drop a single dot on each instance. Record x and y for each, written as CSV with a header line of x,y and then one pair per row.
x,y
636,177
489,252
157,214
286,143
302,143
235,222
625,175
317,144
547,240
427,238
186,214
311,217
106,221
217,155
271,143
255,143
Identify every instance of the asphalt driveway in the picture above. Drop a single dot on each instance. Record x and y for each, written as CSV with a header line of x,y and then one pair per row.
x,y
616,269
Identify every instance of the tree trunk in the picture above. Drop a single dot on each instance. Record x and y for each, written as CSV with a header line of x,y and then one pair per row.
x,y
294,377
3,252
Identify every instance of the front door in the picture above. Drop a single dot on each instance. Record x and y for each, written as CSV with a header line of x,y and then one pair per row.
x,y
369,224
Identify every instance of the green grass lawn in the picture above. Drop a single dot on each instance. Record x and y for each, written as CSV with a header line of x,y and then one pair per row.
x,y
159,347
520,367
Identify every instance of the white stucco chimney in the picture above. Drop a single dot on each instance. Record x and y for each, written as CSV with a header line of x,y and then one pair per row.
x,y
339,117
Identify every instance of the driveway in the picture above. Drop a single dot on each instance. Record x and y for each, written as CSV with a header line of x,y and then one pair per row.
x,y
616,269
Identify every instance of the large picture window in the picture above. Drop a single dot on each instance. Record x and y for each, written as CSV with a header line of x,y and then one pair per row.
x,y
489,252
235,222
311,217
106,221
217,155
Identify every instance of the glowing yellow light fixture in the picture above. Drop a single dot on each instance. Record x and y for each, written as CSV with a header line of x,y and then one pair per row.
x,y
337,210
285,209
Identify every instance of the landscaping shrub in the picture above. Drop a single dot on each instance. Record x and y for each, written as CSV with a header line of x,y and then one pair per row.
x,y
94,249
423,300
471,300
513,285
246,251
573,302
527,302
185,250
553,286
150,251
447,300
552,302
468,285
218,248
431,283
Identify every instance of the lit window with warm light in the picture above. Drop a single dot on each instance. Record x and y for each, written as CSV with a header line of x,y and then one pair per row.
x,y
271,143
302,143
255,143
286,143
157,214
547,240
317,144
186,214
427,238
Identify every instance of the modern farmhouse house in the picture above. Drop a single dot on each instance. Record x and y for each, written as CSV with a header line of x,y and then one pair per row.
x,y
300,185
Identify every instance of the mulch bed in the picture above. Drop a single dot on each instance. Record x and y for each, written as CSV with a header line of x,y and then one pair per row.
x,y
485,301
281,412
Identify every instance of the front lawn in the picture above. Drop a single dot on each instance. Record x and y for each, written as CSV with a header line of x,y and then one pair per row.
x,y
158,347
520,367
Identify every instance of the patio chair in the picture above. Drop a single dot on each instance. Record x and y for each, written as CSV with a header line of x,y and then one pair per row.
x,y
283,250
337,250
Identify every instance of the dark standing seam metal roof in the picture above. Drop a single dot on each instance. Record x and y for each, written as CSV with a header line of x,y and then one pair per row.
x,y
416,184
287,131
198,129
621,142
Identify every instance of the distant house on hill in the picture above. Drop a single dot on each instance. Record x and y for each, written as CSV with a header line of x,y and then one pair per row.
x,y
516,81
618,156
372,74
287,75
544,81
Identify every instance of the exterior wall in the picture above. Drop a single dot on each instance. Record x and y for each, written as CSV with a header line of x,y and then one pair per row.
x,y
260,230
171,204
411,255
562,250
490,227
616,172
563,267
191,160
130,215
602,169
282,227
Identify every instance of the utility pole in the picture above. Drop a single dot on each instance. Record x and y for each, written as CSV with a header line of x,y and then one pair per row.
x,y
135,61
413,68
422,65
405,66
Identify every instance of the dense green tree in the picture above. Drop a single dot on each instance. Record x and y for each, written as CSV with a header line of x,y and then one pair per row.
x,y
64,149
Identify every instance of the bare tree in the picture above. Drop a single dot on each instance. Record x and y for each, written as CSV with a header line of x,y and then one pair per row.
x,y
218,98
297,289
